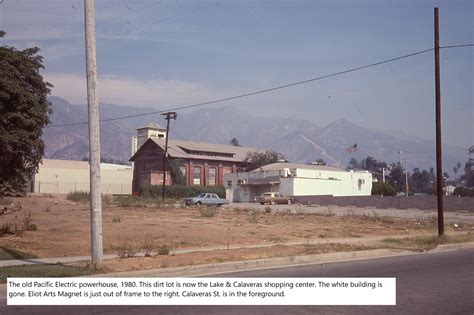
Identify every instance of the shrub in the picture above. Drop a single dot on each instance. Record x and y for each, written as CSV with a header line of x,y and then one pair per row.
x,y
463,192
78,196
268,210
208,212
176,191
27,225
254,216
385,189
5,201
164,250
126,250
127,201
6,229
148,247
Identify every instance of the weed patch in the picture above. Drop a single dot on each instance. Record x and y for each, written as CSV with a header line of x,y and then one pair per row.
x,y
126,250
424,243
207,212
78,196
164,250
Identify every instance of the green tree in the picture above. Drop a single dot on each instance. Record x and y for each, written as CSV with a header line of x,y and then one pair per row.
x,y
468,178
24,110
256,159
384,189
397,176
235,142
176,175
353,164
422,181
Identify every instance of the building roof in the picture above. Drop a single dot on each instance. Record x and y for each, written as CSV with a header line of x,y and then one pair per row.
x,y
202,151
152,126
72,164
281,166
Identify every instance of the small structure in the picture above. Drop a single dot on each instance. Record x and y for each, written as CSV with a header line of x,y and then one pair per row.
x,y
65,176
297,180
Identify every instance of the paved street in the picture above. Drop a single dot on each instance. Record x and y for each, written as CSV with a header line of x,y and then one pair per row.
x,y
435,283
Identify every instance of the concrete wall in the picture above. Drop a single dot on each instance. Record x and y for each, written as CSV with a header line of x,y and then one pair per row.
x,y
451,203
323,182
63,177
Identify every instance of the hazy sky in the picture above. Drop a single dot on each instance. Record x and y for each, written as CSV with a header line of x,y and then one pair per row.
x,y
172,53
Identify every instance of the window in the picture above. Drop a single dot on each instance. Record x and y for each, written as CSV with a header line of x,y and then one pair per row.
x,y
212,176
197,175
229,183
360,183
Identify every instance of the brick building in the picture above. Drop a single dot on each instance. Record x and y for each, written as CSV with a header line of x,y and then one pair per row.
x,y
202,163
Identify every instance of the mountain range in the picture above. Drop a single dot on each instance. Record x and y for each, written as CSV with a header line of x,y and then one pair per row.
x,y
301,141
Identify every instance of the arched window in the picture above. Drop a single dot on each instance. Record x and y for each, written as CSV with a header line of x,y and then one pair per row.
x,y
197,175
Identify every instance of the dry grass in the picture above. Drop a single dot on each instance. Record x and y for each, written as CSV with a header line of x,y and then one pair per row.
x,y
424,243
64,230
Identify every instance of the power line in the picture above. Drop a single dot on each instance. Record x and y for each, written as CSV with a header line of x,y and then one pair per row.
x,y
457,46
265,90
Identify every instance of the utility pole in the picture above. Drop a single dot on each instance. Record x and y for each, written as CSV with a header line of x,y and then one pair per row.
x,y
94,140
168,116
439,161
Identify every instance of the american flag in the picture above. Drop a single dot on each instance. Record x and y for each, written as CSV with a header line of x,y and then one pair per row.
x,y
352,148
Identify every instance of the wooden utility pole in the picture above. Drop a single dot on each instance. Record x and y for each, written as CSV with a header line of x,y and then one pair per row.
x,y
168,116
94,140
439,161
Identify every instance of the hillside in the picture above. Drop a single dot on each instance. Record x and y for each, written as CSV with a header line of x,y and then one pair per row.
x,y
299,140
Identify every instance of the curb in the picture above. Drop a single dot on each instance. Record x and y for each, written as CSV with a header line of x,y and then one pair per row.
x,y
268,263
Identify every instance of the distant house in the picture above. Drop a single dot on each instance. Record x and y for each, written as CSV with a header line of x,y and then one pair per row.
x,y
297,180
201,163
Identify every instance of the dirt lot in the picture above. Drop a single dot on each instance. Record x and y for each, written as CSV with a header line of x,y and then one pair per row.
x,y
63,229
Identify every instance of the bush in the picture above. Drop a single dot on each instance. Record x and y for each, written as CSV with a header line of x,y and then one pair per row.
x,y
78,196
208,212
176,191
385,189
126,250
164,250
463,192
127,201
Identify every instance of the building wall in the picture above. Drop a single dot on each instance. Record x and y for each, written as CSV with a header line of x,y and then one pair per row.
x,y
63,177
243,187
148,169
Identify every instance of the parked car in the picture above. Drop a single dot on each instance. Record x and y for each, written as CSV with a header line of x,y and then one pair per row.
x,y
273,198
205,199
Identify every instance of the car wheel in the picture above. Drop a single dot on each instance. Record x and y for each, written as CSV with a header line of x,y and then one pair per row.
x,y
290,201
198,203
262,203
272,202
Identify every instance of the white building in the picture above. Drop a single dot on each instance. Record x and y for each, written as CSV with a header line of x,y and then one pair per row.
x,y
65,176
297,180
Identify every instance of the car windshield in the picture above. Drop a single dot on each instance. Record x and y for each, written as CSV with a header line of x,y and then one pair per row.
x,y
201,195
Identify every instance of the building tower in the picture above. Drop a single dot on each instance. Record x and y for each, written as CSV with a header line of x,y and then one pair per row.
x,y
151,130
